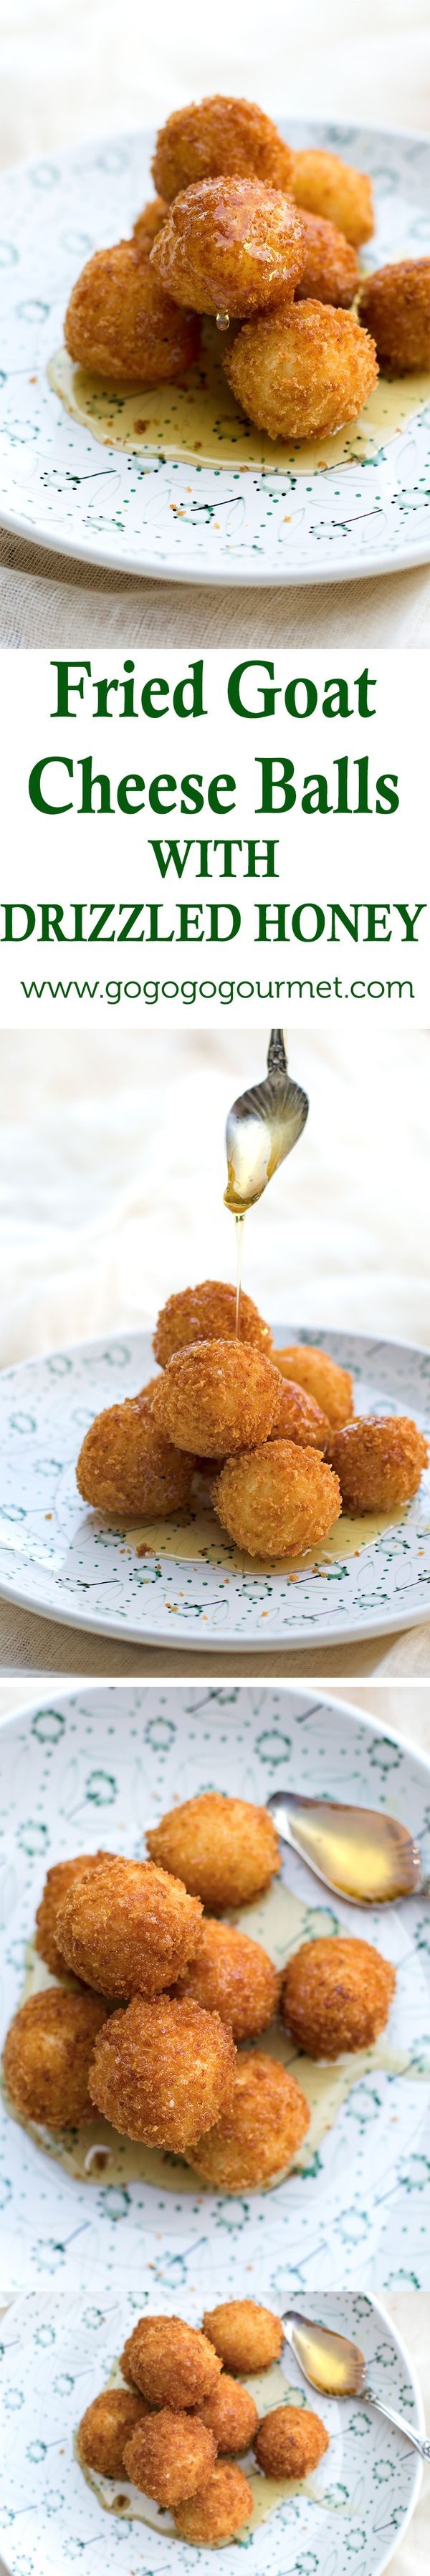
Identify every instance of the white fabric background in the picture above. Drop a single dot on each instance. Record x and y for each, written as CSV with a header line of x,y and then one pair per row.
x,y
68,71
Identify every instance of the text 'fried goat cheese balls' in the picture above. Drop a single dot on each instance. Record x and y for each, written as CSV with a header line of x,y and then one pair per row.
x,y
128,1928
330,272
321,1377
302,372
149,223
222,2508
257,2137
229,246
170,2362
336,1996
233,1976
394,304
290,2442
225,1849
325,185
208,1314
163,2072
227,1393
127,1465
379,1462
47,2056
170,2456
58,1881
231,2414
298,1418
246,2336
123,326
219,137
277,1501
107,2424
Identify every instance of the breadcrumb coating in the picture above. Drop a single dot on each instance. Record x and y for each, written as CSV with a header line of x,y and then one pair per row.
x,y
59,1879
298,1418
231,2414
47,2056
229,245
219,136
303,371
170,2362
277,1501
394,304
222,2509
205,1314
163,2072
233,1976
258,2135
290,2442
325,185
330,271
225,1849
170,2456
246,2336
336,1996
322,1378
123,326
379,1462
149,223
214,1395
127,1466
128,1928
106,2426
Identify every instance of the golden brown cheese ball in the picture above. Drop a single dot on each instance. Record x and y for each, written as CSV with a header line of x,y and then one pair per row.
x,y
298,1418
290,2442
229,246
220,136
394,304
221,2510
58,1881
127,1465
205,1314
330,269
47,2057
330,187
225,1849
322,1378
106,2426
145,1393
225,1392
149,223
257,2137
336,1996
170,2456
163,2071
170,2362
277,1501
233,1976
231,2415
246,2336
128,1928
121,324
379,1462
302,372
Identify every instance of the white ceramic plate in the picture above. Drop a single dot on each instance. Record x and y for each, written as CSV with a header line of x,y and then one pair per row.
x,y
57,2354
177,520
95,1766
59,1558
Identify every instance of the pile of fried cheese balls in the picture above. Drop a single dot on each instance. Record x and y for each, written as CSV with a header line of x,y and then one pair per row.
x,y
266,239
181,2417
273,1432
155,1994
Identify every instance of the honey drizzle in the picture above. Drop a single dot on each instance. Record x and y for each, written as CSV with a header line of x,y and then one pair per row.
x,y
198,421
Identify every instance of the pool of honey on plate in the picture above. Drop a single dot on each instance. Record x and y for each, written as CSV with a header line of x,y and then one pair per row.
x,y
200,1540
269,2388
198,421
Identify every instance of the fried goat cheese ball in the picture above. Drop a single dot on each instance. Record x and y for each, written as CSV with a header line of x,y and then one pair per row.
x,y
322,1378
128,1466
379,1463
58,1882
229,246
394,304
170,2362
163,2072
222,2508
290,2442
233,1976
170,2456
330,272
258,2135
277,1501
128,1928
149,223
298,1418
47,2057
231,2414
123,326
302,372
225,1849
208,1314
336,1996
246,2336
107,2424
227,1393
327,186
219,137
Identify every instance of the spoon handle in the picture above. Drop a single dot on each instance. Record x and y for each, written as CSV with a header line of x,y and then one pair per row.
x,y
417,2439
277,1053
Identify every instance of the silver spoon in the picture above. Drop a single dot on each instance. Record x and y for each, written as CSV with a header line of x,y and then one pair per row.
x,y
262,1127
337,2368
369,1858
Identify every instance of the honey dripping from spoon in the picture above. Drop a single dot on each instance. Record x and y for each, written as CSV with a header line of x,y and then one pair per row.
x,y
262,1126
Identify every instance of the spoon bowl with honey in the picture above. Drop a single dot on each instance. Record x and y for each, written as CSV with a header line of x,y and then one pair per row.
x,y
371,1859
337,2368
